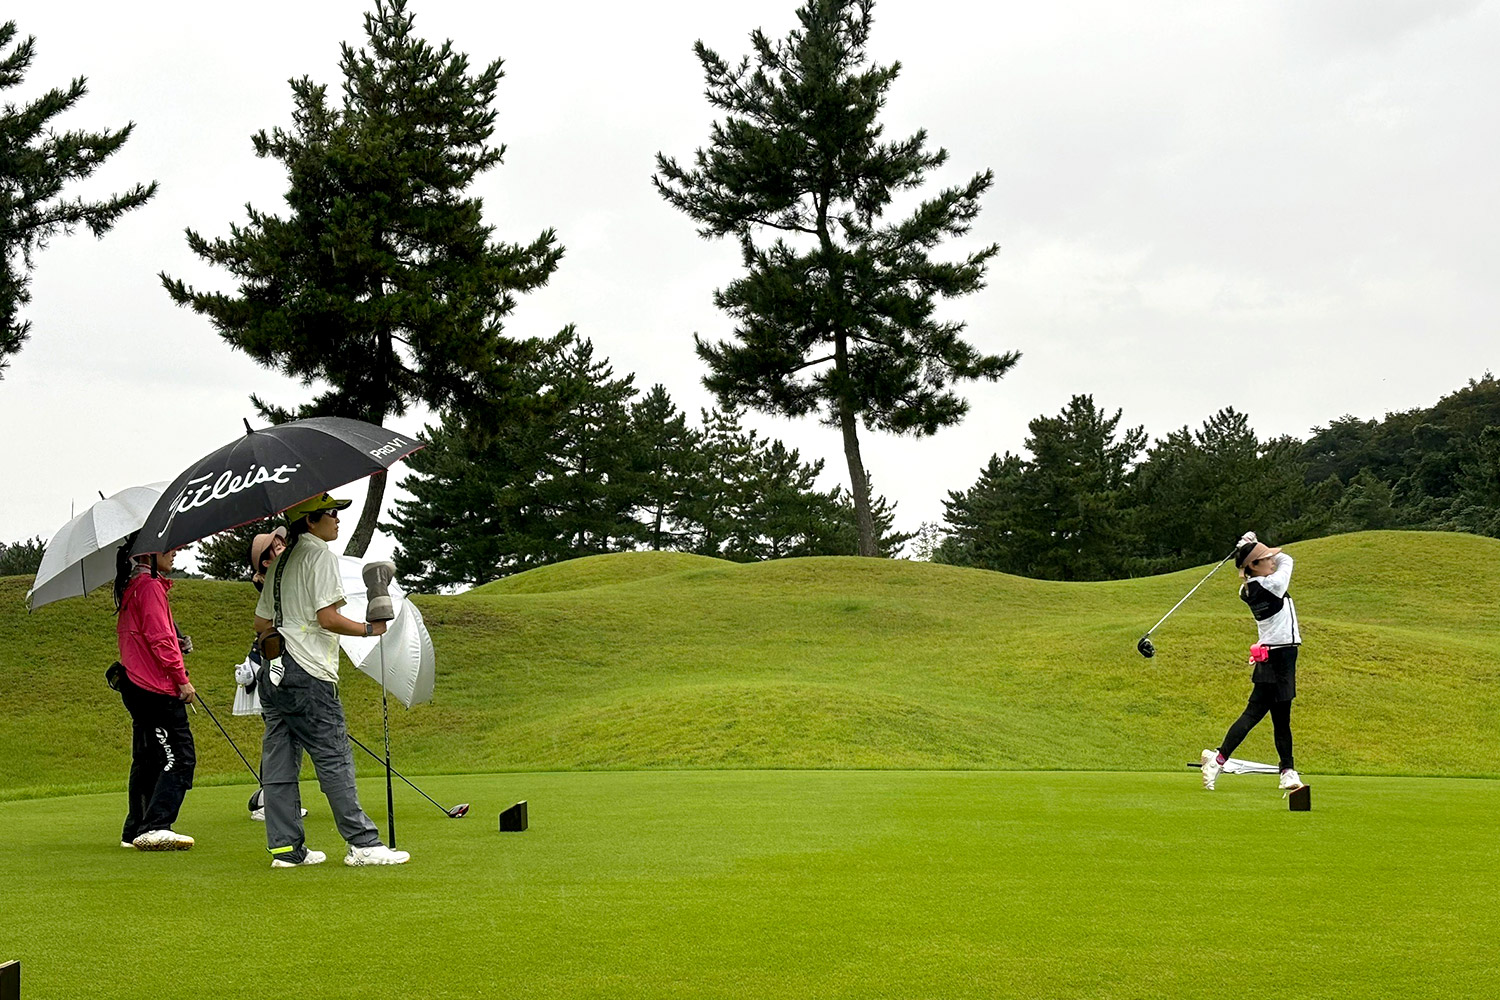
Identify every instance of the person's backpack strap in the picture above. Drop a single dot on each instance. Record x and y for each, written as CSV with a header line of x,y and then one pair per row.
x,y
269,643
276,587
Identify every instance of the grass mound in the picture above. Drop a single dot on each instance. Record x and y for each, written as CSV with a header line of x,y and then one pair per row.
x,y
601,571
670,661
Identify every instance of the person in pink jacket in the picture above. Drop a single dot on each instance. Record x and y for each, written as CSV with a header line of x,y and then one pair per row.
x,y
156,690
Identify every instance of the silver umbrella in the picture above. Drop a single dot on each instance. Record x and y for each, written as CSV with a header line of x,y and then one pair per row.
x,y
81,554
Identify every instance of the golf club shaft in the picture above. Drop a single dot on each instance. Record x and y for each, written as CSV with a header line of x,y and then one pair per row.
x,y
355,740
211,715
1190,593
385,725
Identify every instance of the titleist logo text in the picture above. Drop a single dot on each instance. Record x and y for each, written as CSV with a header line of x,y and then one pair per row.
x,y
226,485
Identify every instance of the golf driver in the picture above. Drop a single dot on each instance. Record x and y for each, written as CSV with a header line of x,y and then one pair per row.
x,y
457,812
1145,647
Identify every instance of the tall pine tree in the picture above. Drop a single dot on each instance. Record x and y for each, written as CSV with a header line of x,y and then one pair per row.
x,y
835,313
36,163
383,283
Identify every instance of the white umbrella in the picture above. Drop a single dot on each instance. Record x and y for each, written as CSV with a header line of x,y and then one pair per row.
x,y
81,554
410,661
1233,765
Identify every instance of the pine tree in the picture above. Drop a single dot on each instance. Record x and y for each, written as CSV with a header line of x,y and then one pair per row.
x,y
722,472
382,283
588,490
226,556
22,558
1061,515
835,314
844,541
788,515
663,446
36,164
559,482
1197,491
982,520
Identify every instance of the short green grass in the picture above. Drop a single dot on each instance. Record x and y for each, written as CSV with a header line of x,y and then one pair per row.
x,y
785,884
663,660
809,778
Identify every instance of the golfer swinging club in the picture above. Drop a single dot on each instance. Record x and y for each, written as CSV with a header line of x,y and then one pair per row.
x,y
1267,575
299,694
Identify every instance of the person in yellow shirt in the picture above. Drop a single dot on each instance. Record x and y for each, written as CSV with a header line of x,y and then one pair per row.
x,y
299,698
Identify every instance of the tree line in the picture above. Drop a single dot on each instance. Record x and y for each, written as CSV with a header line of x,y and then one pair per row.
x,y
597,466
1094,501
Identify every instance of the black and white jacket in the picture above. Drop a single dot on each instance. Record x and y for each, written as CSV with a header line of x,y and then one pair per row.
x,y
1271,603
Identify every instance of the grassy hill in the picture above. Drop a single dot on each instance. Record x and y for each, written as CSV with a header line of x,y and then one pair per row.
x,y
657,660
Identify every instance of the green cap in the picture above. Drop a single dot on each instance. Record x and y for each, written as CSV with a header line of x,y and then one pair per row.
x,y
314,504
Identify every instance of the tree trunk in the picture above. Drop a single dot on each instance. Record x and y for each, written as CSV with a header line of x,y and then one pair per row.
x,y
365,529
860,484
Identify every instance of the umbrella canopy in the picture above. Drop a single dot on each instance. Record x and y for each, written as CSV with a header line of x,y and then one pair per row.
x,y
265,472
1233,765
410,662
81,554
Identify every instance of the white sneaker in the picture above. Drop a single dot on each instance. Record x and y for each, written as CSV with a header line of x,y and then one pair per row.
x,y
377,854
126,843
1290,779
162,840
312,858
259,815
1211,768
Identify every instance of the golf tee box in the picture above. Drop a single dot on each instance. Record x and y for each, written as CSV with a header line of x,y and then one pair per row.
x,y
1300,799
513,820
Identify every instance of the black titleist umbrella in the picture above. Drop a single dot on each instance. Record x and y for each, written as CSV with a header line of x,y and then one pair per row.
x,y
264,473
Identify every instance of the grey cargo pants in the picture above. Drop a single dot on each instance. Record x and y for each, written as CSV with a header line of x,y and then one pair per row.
x,y
304,713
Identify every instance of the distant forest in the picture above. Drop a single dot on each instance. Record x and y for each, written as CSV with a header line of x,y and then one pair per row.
x,y
1094,501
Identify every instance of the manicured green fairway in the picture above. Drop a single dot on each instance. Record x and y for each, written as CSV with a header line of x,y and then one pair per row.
x,y
785,884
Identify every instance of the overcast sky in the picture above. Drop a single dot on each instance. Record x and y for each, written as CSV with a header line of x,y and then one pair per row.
x,y
1287,207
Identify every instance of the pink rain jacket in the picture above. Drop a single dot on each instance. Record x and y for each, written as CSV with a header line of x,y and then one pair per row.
x,y
148,636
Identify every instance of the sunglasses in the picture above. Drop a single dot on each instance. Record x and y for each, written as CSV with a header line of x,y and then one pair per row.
x,y
318,515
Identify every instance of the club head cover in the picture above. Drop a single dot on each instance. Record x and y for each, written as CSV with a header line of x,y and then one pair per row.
x,y
378,576
1145,648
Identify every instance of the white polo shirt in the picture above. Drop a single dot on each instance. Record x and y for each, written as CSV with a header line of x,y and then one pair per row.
x,y
310,583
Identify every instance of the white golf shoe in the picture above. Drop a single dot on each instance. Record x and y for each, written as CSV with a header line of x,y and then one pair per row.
x,y
259,815
162,840
1211,768
1290,779
310,858
377,854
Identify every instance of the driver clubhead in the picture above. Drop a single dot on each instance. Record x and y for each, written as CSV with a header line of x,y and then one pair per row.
x,y
1145,648
459,811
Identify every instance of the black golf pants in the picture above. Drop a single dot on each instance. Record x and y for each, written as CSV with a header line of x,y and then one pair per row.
x,y
1263,699
162,759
